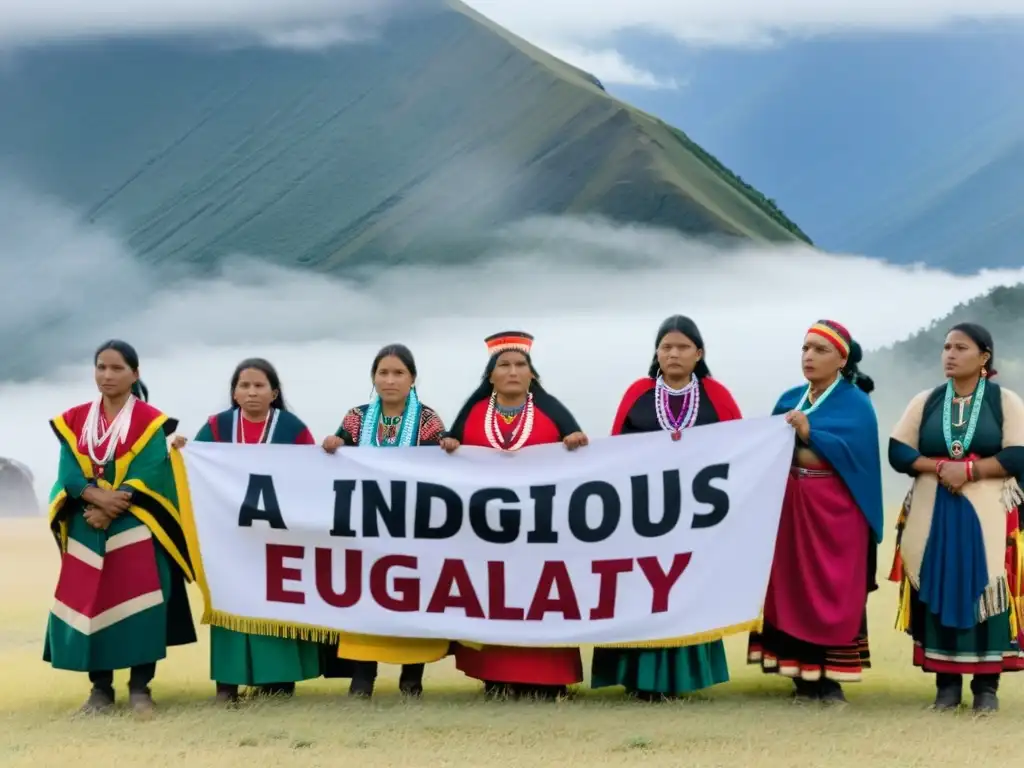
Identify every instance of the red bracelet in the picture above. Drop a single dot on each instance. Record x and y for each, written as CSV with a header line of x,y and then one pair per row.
x,y
970,471
938,466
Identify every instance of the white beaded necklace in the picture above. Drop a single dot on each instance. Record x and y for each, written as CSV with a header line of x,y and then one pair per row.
x,y
116,432
238,432
524,428
692,403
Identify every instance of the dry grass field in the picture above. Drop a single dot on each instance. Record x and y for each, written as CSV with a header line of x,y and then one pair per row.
x,y
748,722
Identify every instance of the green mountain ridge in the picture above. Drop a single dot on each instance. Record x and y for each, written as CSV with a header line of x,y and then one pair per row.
x,y
413,148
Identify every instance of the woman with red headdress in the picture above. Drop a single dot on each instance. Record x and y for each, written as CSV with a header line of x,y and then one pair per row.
x,y
815,624
677,393
510,410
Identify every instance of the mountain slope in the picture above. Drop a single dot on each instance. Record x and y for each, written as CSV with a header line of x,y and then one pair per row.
x,y
900,146
411,147
975,221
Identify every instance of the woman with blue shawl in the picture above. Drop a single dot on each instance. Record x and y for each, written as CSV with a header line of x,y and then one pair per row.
x,y
815,625
394,417
959,552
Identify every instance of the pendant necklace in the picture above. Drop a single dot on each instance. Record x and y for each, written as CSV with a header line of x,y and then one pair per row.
x,y
958,448
389,429
687,411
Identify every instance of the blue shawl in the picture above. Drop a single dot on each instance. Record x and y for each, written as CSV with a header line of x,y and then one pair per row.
x,y
844,432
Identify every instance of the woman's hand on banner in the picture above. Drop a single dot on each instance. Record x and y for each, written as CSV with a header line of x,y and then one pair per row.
x,y
332,443
576,440
178,442
798,420
449,444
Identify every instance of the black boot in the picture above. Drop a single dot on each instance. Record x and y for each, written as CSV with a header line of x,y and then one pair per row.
x,y
101,699
410,682
226,694
948,691
804,690
984,688
364,675
830,692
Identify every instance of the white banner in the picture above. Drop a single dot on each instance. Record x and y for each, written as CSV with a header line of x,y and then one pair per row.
x,y
633,538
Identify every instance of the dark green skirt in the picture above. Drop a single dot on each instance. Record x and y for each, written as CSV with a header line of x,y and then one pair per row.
x,y
987,648
238,658
666,671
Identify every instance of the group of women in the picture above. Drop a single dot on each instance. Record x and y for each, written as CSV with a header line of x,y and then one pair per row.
x,y
121,597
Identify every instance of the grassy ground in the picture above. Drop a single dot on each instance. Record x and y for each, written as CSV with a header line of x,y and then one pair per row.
x,y
747,722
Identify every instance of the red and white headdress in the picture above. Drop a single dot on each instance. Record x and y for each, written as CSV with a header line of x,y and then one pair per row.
x,y
835,334
518,341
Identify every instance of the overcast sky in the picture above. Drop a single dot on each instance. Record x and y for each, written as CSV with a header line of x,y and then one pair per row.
x,y
582,31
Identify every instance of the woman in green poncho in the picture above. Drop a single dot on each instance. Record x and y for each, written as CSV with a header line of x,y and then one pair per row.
x,y
258,415
120,599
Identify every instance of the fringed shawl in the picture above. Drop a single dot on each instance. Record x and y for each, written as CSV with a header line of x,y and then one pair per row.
x,y
990,500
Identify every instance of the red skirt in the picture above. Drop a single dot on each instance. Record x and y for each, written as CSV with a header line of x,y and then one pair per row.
x,y
531,666
818,585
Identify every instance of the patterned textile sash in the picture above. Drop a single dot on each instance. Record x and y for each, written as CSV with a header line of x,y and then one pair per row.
x,y
802,472
107,579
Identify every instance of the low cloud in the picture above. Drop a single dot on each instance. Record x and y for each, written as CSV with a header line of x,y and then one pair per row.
x,y
301,23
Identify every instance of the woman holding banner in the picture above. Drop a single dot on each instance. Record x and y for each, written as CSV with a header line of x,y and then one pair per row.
x,y
510,410
815,623
115,493
677,393
960,550
394,417
258,416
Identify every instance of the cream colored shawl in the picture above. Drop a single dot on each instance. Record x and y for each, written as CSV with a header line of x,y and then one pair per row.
x,y
991,499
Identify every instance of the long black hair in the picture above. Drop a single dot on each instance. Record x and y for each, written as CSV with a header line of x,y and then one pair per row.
x,y
400,351
268,370
688,328
131,359
979,335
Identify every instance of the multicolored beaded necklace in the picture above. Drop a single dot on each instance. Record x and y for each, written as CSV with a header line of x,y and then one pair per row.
x,y
688,409
520,433
382,431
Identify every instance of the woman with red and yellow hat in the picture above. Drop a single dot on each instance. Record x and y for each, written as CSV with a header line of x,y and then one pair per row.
x,y
815,626
510,410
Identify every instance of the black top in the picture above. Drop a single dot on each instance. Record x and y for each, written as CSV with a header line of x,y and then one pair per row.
x,y
643,417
